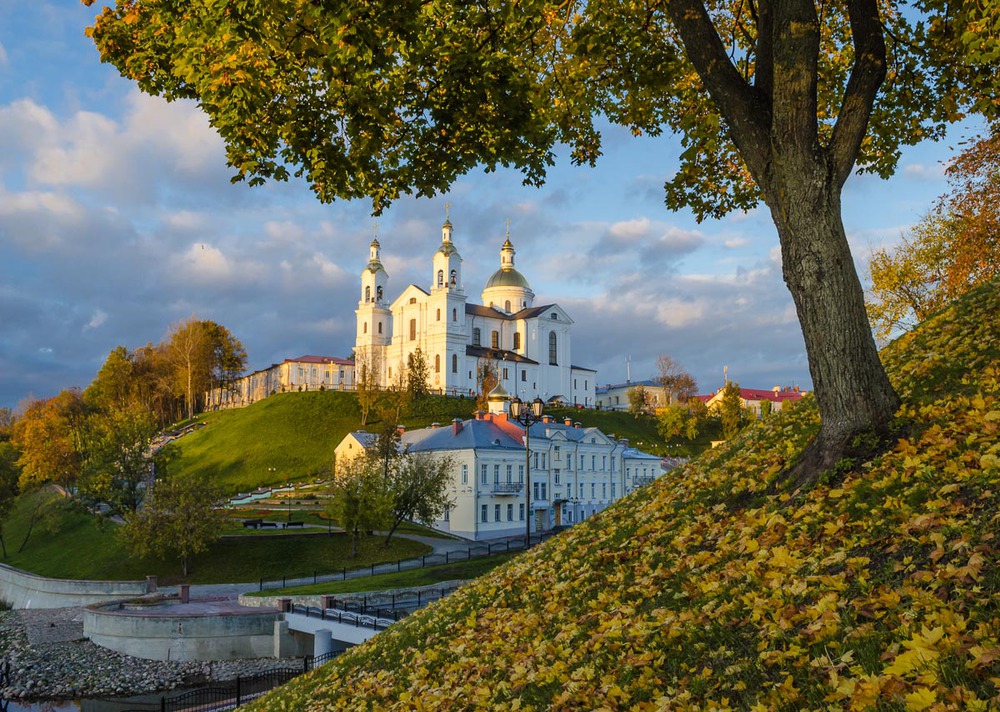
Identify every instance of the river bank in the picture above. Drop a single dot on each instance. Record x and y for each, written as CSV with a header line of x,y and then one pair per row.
x,y
50,659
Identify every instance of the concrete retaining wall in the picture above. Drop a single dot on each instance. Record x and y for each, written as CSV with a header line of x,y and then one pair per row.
x,y
181,637
20,589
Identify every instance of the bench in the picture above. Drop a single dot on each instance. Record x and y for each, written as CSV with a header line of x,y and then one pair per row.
x,y
294,524
252,523
268,525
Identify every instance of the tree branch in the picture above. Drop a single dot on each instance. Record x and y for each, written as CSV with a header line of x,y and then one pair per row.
x,y
745,114
866,78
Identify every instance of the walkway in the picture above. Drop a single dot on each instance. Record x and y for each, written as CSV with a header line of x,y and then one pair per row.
x,y
439,545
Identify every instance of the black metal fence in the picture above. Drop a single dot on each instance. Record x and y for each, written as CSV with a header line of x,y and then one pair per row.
x,y
473,551
232,694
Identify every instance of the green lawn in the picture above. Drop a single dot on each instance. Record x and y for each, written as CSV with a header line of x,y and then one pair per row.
x,y
77,545
458,571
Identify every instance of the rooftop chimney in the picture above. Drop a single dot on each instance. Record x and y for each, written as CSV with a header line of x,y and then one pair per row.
x,y
577,424
479,415
400,429
456,426
568,422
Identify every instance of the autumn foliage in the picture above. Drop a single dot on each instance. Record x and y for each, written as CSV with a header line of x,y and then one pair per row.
x,y
713,589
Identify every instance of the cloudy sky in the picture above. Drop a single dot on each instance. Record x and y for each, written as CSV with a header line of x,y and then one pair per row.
x,y
117,219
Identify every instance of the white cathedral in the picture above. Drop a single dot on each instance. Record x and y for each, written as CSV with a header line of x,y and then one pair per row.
x,y
528,345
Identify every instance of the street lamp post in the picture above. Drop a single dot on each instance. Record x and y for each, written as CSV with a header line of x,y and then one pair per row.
x,y
527,414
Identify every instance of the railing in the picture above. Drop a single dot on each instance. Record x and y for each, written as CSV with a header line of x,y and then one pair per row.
x,y
232,694
508,487
336,615
494,548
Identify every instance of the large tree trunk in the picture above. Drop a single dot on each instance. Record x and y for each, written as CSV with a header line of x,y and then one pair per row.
x,y
852,390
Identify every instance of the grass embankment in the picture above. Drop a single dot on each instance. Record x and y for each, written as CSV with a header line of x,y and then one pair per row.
x,y
876,589
290,437
80,546
457,571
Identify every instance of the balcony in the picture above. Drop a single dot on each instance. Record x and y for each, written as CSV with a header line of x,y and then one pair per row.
x,y
508,488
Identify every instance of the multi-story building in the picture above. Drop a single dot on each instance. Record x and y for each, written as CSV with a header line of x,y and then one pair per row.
x,y
305,373
574,472
529,346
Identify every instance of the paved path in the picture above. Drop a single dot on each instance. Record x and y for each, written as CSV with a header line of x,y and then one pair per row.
x,y
440,546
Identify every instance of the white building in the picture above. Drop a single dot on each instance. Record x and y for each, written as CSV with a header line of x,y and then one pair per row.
x,y
575,472
305,373
530,346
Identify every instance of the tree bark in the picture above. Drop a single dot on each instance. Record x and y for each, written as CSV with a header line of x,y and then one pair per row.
x,y
852,389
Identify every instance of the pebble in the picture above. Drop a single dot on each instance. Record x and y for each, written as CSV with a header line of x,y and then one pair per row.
x,y
51,669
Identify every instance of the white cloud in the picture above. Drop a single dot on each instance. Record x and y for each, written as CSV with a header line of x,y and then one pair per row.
x,y
923,171
97,319
736,242
206,265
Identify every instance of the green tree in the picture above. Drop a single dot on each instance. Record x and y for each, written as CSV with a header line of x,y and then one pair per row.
x,y
202,355
766,408
638,400
416,374
360,498
419,490
677,420
10,473
731,410
775,102
367,367
120,457
179,518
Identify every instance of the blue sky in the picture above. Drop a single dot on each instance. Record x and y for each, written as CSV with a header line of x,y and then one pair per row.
x,y
117,219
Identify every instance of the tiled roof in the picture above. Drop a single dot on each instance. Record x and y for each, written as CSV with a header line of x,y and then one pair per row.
x,y
320,359
530,312
498,354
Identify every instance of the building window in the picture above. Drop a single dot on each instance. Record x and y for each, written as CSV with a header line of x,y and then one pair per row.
x,y
495,339
604,490
581,490
465,474
378,294
454,363
510,474
413,300
454,277
505,376
593,462
535,489
496,474
604,462
510,512
613,490
483,476
454,314
484,513
520,511
553,350
517,340
496,512
413,329
368,294
506,306
555,453
557,477
440,277
447,514
581,462
439,315
364,328
545,494
524,375
437,363
554,316
476,337
380,327
536,461
593,490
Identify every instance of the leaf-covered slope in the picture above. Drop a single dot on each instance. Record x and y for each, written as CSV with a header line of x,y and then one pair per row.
x,y
879,587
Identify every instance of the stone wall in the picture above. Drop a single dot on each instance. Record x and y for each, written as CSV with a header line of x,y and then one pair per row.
x,y
20,589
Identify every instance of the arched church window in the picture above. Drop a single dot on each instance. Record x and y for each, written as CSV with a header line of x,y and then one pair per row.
x,y
454,277
380,327
413,329
413,300
454,314
368,294
506,306
440,277
553,351
554,315
454,363
439,315
476,337
517,340
378,294
437,363
364,328
495,339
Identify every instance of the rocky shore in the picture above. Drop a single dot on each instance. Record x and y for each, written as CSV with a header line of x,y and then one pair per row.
x,y
50,659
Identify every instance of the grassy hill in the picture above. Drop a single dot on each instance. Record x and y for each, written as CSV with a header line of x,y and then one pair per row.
x,y
291,437
876,589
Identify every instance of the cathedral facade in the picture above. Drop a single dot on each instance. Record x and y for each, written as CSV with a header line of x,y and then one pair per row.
x,y
528,346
